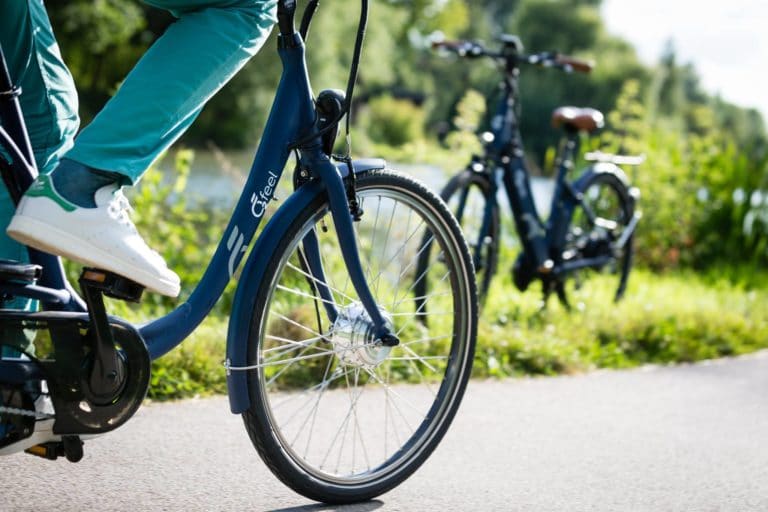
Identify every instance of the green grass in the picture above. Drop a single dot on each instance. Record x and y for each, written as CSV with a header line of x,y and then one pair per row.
x,y
663,319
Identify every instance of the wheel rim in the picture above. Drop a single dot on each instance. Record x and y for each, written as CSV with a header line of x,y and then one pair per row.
x,y
343,411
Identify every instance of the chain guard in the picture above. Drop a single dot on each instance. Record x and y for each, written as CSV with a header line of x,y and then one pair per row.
x,y
63,359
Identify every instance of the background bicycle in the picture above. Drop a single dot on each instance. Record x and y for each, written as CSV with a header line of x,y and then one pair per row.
x,y
592,218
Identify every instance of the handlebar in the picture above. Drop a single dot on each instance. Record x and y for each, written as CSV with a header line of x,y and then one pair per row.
x,y
473,49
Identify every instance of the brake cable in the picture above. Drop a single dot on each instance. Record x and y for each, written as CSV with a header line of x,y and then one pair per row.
x,y
353,72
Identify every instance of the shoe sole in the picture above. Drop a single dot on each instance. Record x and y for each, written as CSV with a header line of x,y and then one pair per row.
x,y
75,249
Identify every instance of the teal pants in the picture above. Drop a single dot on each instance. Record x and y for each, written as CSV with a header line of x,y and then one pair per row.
x,y
206,46
209,42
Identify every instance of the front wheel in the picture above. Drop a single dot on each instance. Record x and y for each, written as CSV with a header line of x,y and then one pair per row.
x,y
597,234
337,417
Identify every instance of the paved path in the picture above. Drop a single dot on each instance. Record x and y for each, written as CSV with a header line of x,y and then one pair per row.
x,y
683,438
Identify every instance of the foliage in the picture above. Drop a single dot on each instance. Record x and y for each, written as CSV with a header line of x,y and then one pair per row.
x,y
704,184
391,121
469,114
701,194
100,40
664,319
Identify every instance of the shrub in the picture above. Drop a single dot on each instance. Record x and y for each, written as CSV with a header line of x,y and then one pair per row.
x,y
392,121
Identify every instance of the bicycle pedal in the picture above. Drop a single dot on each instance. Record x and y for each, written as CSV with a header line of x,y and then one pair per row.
x,y
112,285
70,447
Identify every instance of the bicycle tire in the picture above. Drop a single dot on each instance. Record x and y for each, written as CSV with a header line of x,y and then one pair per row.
x,y
617,206
486,259
435,366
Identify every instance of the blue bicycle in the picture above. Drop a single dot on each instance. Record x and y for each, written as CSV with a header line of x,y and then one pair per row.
x,y
592,219
343,390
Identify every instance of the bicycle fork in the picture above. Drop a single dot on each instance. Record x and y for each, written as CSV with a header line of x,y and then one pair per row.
x,y
342,219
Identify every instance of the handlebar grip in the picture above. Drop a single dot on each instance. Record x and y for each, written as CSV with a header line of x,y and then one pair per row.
x,y
582,66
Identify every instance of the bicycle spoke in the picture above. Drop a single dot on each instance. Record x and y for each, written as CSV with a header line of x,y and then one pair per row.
x,y
386,238
304,294
373,240
421,313
424,340
316,280
283,369
402,247
344,424
315,408
423,274
422,297
402,328
337,374
335,404
413,261
297,324
396,394
399,251
296,343
421,359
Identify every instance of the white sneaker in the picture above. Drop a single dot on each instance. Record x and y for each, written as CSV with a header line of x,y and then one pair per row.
x,y
103,237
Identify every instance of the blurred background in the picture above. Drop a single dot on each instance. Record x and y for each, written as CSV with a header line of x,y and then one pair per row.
x,y
681,82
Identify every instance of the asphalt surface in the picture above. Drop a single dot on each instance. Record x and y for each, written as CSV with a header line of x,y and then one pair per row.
x,y
681,438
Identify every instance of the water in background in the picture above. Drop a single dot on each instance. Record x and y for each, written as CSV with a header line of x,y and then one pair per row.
x,y
219,178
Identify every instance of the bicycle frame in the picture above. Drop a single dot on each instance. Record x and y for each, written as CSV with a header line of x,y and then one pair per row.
x,y
292,116
506,152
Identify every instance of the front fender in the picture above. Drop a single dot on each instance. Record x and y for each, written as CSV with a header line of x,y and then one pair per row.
x,y
244,302
362,165
241,317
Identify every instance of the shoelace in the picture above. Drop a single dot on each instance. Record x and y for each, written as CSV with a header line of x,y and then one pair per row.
x,y
120,208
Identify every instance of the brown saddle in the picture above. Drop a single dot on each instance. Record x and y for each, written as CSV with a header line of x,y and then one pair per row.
x,y
578,119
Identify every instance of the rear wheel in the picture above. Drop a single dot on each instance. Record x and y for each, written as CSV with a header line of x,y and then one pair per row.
x,y
596,230
335,416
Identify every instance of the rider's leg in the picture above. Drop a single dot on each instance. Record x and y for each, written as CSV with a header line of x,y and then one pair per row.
x,y
158,100
166,90
49,98
49,102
